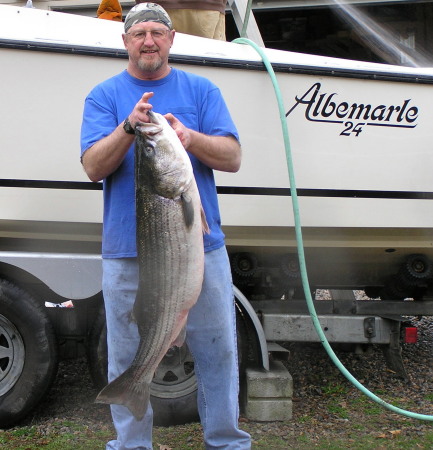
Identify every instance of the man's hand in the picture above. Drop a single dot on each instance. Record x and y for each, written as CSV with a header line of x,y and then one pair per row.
x,y
217,152
183,133
139,113
106,155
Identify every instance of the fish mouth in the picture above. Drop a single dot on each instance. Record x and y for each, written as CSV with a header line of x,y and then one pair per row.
x,y
150,128
152,116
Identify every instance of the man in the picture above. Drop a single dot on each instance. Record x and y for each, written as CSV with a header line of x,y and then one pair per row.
x,y
197,112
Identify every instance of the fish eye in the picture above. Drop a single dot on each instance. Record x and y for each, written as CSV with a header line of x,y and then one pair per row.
x,y
149,150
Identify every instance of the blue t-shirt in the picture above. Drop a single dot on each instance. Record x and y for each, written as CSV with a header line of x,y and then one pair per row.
x,y
197,103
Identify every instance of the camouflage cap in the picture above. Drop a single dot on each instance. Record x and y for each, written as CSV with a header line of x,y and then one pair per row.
x,y
147,12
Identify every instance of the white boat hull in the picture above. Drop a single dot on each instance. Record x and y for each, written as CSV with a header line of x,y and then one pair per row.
x,y
364,180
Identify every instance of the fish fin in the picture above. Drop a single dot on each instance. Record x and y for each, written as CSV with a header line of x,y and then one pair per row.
x,y
124,391
188,209
178,342
188,213
204,224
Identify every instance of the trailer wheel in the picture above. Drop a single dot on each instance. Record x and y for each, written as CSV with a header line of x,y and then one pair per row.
x,y
244,264
248,347
97,357
174,387
28,353
416,270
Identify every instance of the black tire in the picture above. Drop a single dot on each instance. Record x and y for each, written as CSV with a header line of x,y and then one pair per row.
x,y
395,289
28,361
248,346
416,271
243,264
97,358
174,387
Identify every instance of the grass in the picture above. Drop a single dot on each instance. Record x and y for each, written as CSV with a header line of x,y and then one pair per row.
x,y
61,436
76,437
347,420
370,408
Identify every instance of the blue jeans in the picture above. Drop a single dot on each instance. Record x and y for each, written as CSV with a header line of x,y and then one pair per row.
x,y
211,338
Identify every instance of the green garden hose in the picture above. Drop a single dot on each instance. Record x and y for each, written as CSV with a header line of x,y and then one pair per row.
x,y
300,246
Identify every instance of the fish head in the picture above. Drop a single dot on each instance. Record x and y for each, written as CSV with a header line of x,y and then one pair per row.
x,y
161,160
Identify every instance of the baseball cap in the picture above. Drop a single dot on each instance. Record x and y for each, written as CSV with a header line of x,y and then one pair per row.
x,y
147,12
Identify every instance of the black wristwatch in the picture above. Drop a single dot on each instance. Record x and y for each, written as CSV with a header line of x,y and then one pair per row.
x,y
128,127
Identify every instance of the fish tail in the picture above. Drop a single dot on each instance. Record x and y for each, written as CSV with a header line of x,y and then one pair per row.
x,y
127,392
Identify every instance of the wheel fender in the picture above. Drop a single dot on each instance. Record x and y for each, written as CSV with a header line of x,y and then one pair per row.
x,y
261,338
72,276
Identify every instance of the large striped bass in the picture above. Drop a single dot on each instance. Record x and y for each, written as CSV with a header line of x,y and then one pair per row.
x,y
170,225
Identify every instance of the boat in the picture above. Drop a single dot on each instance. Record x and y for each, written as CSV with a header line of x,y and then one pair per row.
x,y
361,146
360,138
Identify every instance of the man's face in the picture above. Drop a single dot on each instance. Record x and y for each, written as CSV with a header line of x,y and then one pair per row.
x,y
148,45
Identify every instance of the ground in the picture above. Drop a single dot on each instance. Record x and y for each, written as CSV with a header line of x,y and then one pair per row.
x,y
328,411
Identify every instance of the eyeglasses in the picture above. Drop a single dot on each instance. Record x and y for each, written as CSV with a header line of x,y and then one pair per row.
x,y
141,35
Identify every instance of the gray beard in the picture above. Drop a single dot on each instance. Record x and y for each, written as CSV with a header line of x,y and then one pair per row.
x,y
150,66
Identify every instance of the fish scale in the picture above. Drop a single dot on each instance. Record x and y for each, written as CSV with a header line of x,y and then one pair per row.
x,y
170,226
